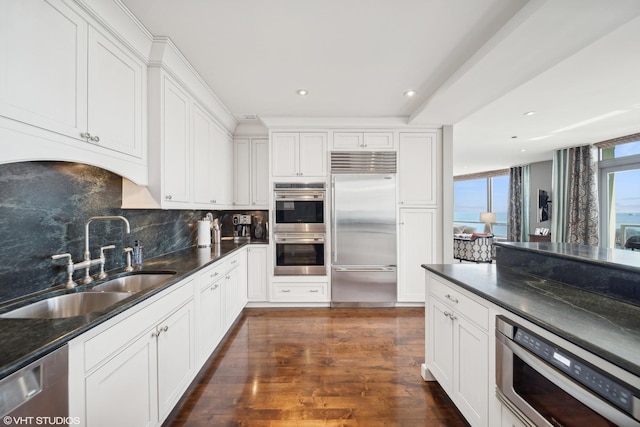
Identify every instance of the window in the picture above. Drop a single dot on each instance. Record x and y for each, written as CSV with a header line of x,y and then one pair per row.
x,y
619,196
485,194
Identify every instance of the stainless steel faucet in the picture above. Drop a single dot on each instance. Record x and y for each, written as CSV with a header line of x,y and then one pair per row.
x,y
88,262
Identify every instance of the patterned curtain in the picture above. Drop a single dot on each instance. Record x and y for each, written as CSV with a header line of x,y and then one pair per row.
x,y
583,196
559,195
518,209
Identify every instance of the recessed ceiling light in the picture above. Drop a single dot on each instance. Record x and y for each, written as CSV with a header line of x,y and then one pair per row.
x,y
302,92
523,150
410,93
529,113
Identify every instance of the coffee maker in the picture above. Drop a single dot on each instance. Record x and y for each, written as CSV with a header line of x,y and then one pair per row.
x,y
242,226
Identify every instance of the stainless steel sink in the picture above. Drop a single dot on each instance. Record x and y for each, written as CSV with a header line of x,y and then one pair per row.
x,y
134,283
68,305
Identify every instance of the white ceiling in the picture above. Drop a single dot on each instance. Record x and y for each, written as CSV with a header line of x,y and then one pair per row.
x,y
476,64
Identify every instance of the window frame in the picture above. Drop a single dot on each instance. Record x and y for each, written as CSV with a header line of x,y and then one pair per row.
x,y
488,177
619,164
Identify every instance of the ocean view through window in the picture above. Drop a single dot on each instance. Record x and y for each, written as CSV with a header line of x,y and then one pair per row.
x,y
486,194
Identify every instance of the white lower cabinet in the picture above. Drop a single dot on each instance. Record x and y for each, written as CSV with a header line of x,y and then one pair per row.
x,y
457,348
418,241
299,292
257,257
132,369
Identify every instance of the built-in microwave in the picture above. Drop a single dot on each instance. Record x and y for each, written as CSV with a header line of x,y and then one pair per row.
x,y
299,207
543,384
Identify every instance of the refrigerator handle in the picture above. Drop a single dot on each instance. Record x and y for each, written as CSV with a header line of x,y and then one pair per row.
x,y
364,269
334,246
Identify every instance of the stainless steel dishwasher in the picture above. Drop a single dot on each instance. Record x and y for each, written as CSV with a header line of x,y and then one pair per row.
x,y
39,390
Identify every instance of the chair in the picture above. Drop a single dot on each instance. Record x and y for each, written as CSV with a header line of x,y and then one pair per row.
x,y
632,243
476,248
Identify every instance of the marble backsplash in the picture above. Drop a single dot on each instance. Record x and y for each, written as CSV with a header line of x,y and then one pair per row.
x,y
43,210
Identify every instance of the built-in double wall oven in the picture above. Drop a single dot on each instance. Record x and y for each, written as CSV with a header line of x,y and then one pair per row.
x,y
299,228
544,383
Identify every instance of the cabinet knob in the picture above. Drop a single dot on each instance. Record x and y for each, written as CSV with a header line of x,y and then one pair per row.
x,y
85,135
168,197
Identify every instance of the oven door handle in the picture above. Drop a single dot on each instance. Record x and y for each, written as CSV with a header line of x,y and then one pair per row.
x,y
571,387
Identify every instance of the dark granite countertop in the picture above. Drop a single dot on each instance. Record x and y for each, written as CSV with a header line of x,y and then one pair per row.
x,y
604,326
603,257
23,341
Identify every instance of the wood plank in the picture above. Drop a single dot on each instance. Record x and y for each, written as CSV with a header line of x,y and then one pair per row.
x,y
318,367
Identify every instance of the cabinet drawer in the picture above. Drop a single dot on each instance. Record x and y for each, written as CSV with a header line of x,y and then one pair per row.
x,y
213,274
301,292
122,333
462,304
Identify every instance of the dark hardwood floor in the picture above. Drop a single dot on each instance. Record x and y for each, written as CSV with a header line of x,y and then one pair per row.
x,y
318,367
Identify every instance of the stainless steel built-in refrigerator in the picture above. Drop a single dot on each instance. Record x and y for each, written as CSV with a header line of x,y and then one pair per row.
x,y
363,259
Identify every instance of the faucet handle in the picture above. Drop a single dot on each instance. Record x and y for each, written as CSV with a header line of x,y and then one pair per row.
x,y
103,248
70,269
102,274
60,256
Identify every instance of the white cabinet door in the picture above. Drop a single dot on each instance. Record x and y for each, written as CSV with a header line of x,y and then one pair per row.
x,y
203,157
176,143
115,96
260,172
210,318
471,360
176,361
378,141
418,245
257,273
231,298
285,154
440,343
418,166
222,168
242,171
313,154
347,141
43,65
123,391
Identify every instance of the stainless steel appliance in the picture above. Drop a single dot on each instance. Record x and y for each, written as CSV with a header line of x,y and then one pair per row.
x,y
545,384
242,225
38,390
363,220
299,254
299,207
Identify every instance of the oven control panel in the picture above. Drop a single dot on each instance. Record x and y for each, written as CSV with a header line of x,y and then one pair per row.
x,y
611,390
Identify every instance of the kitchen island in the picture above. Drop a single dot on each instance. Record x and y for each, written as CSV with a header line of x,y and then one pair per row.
x,y
586,296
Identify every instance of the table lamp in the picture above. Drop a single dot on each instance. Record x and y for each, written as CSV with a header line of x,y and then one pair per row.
x,y
488,218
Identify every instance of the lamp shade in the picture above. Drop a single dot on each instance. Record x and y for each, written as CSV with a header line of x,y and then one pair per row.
x,y
488,217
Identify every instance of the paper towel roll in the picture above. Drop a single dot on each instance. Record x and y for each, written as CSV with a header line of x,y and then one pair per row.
x,y
204,234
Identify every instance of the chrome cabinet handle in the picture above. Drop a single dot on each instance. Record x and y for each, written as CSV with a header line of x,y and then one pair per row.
x,y
313,291
450,298
165,329
286,290
94,138
168,197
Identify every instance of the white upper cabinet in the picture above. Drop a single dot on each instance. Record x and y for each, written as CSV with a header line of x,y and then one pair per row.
x,y
69,89
251,172
175,125
43,65
116,89
203,157
418,169
299,154
363,141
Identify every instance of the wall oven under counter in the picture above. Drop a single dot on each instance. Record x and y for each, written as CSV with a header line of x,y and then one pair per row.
x,y
544,383
299,254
